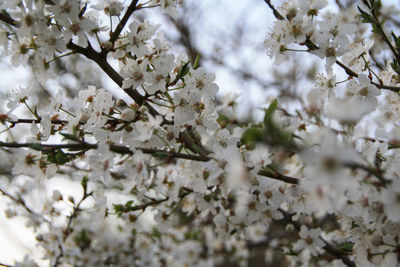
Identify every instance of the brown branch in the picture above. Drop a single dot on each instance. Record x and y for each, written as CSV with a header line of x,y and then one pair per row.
x,y
67,231
383,34
372,171
350,72
279,176
74,213
20,201
18,121
274,10
100,59
9,20
132,7
58,121
337,253
151,203
114,148
154,202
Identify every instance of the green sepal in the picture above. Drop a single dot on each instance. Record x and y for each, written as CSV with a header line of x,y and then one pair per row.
x,y
70,137
269,112
251,136
196,64
58,157
183,70
38,147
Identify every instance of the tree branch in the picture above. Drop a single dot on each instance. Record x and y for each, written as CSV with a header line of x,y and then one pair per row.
x,y
373,171
379,26
9,20
274,10
101,58
20,201
68,230
350,72
101,61
279,176
114,148
57,121
132,7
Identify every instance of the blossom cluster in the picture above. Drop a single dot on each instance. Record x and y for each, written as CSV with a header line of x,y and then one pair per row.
x,y
173,178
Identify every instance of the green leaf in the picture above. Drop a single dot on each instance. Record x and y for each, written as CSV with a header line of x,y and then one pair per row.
x,y
396,40
375,28
160,155
183,70
58,157
395,66
269,112
119,209
61,157
82,239
70,137
365,17
269,170
38,147
129,204
155,233
49,2
377,5
196,64
354,225
273,134
223,120
346,247
251,136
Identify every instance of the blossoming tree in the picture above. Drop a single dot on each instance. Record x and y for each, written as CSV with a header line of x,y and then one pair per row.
x,y
172,178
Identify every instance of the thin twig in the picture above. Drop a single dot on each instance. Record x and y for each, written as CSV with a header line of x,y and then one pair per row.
x,y
328,246
132,7
20,201
67,230
383,34
274,10
373,171
279,176
101,61
101,58
350,72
